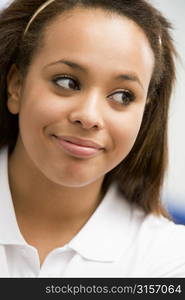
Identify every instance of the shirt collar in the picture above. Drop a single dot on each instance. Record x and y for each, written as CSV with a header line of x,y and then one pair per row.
x,y
103,238
9,229
106,234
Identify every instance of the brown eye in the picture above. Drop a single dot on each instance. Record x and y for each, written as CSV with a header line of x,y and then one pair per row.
x,y
123,97
66,83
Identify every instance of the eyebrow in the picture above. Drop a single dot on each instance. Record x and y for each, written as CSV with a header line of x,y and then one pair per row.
x,y
126,77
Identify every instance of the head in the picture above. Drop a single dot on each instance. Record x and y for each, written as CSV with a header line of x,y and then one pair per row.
x,y
127,115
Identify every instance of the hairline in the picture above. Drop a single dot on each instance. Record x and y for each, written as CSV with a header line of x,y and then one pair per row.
x,y
40,41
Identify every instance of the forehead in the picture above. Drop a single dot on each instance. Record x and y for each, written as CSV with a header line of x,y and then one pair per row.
x,y
97,36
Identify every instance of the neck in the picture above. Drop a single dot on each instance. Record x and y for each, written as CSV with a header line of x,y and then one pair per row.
x,y
35,195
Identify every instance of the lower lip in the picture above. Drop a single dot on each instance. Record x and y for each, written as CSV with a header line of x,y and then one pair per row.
x,y
77,150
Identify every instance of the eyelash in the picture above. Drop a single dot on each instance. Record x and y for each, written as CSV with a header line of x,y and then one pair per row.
x,y
130,97
65,77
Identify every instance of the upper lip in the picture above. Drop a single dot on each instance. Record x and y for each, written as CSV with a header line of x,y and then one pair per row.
x,y
80,141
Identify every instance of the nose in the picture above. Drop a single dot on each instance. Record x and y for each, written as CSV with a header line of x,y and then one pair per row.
x,y
87,112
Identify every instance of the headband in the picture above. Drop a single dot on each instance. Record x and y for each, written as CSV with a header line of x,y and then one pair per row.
x,y
42,7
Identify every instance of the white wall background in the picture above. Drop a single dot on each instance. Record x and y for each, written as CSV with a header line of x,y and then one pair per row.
x,y
3,3
175,183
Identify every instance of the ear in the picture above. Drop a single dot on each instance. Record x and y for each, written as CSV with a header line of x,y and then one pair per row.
x,y
14,85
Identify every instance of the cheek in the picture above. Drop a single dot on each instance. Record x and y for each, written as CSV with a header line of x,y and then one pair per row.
x,y
39,112
31,117
125,130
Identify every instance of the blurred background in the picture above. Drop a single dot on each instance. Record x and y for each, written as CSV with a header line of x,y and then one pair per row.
x,y
173,195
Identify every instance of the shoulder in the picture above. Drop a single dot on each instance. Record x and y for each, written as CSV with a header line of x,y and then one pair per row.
x,y
159,245
162,230
145,228
158,229
145,245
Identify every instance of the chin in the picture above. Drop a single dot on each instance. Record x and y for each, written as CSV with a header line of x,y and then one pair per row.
x,y
75,182
72,177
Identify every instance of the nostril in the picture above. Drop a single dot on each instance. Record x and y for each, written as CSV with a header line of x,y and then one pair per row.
x,y
86,121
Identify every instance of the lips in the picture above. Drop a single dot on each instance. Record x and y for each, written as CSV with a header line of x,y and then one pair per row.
x,y
80,142
78,147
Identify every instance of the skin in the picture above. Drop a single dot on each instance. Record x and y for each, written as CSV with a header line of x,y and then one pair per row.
x,y
54,192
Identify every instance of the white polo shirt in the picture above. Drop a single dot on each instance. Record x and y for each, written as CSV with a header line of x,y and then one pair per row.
x,y
119,240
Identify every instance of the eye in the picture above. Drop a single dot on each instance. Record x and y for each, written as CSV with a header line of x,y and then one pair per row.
x,y
123,97
66,82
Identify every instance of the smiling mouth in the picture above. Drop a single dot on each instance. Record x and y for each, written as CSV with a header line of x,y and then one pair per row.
x,y
78,147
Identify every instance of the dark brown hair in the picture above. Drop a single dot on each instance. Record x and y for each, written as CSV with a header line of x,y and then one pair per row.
x,y
140,175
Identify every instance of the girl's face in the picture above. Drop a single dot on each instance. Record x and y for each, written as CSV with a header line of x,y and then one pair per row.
x,y
82,102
